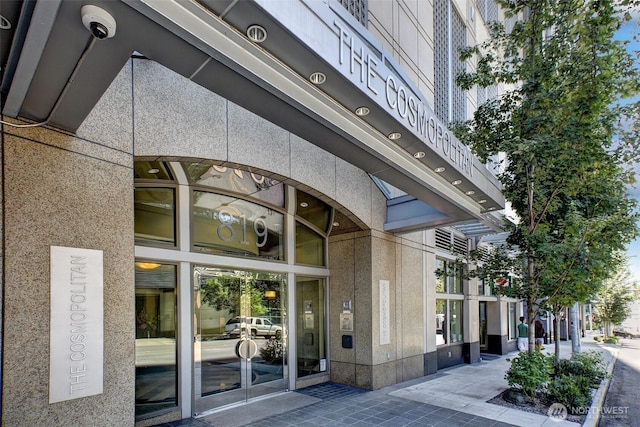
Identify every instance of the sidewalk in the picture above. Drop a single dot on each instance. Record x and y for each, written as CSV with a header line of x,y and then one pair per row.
x,y
454,396
466,388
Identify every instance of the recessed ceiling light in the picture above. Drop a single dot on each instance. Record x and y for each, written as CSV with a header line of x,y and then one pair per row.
x,y
362,111
482,201
470,193
456,182
154,170
439,170
147,265
256,33
492,208
317,78
304,204
395,135
336,223
419,154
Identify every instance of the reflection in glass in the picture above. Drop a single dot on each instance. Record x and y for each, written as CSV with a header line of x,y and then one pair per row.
x,y
455,277
483,325
442,334
155,215
314,210
223,224
513,324
455,324
152,170
155,323
449,277
309,246
238,181
441,277
231,307
310,324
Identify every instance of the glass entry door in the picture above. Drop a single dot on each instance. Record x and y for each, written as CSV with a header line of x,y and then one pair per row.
x,y
239,325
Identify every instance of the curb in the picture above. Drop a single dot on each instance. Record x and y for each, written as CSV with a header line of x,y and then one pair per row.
x,y
601,393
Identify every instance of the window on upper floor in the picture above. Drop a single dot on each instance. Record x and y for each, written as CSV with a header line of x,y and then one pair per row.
x,y
450,34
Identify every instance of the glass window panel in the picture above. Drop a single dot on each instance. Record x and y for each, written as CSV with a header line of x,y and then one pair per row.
x,y
455,321
309,246
250,184
313,210
454,277
310,324
442,335
441,277
512,321
155,215
155,326
223,224
152,170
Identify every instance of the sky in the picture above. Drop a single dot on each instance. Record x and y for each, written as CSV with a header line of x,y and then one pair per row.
x,y
627,31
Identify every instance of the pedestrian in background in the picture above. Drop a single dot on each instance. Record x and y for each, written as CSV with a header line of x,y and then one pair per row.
x,y
523,335
539,331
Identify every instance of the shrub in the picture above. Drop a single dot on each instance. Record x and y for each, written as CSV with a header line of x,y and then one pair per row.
x,y
611,340
272,351
589,365
530,372
572,391
598,338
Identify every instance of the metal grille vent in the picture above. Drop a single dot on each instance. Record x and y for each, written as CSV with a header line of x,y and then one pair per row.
x,y
488,10
487,93
492,92
492,11
482,95
443,240
460,245
458,41
357,8
485,251
510,23
441,60
482,9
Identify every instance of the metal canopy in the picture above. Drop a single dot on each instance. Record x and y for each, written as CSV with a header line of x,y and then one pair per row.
x,y
205,42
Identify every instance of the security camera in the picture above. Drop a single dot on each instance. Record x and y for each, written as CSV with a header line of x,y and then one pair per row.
x,y
98,21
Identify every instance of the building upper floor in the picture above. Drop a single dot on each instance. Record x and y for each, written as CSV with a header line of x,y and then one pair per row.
x,y
371,82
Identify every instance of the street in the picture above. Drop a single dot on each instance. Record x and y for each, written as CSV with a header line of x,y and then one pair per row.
x,y
622,406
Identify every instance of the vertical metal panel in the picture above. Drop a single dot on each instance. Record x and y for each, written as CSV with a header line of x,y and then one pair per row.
x,y
458,41
441,59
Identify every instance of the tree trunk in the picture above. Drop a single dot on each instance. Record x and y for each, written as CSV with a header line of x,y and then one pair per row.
x,y
531,318
556,334
575,329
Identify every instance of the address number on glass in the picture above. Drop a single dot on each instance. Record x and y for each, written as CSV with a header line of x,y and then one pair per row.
x,y
227,232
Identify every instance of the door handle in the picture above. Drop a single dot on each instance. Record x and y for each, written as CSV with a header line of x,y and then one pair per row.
x,y
246,349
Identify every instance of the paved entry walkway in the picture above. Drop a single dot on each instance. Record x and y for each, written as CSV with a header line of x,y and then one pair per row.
x,y
453,397
337,405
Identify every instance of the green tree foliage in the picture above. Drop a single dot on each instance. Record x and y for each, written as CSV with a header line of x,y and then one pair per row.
x,y
612,303
562,128
240,294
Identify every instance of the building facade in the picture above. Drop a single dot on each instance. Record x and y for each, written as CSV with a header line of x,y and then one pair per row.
x,y
205,202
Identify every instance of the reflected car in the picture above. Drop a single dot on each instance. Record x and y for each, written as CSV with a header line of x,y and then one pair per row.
x,y
256,326
624,333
